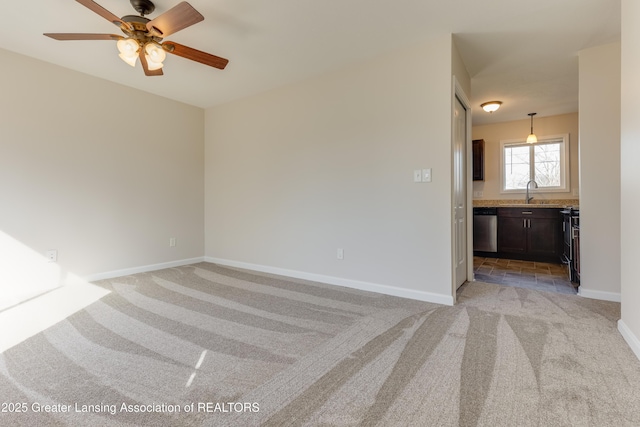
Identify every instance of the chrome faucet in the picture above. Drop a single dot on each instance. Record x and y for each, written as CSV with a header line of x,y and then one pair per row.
x,y
535,185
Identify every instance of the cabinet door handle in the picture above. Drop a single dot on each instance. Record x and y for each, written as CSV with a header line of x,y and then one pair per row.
x,y
524,223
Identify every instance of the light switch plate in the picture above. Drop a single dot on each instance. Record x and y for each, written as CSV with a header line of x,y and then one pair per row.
x,y
417,175
426,175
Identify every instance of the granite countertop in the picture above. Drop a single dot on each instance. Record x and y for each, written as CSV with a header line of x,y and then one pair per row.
x,y
516,203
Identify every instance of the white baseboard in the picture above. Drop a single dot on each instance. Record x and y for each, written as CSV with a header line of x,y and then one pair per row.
x,y
601,295
338,281
141,269
629,337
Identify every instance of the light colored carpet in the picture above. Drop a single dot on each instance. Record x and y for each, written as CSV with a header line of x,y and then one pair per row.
x,y
214,346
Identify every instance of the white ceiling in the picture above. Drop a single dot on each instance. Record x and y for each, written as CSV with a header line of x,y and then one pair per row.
x,y
522,53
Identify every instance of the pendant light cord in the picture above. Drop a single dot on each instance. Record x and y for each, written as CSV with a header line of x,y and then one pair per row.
x,y
531,115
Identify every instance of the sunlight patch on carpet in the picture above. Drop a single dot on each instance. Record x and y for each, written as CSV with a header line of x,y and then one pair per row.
x,y
35,315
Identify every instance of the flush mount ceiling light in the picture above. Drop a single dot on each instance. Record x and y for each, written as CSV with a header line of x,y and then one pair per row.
x,y
532,138
491,106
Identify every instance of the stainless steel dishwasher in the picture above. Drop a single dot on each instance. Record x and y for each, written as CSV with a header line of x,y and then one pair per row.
x,y
485,229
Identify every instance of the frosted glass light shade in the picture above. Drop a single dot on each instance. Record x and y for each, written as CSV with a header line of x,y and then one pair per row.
x,y
152,65
128,51
491,106
155,53
131,60
128,47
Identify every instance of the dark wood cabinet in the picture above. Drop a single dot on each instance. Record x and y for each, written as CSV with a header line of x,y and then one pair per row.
x,y
512,234
478,159
534,234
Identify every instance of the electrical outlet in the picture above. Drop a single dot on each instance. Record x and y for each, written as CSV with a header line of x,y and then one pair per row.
x,y
426,175
52,255
172,241
340,253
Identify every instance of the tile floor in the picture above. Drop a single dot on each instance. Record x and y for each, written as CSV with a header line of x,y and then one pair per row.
x,y
525,274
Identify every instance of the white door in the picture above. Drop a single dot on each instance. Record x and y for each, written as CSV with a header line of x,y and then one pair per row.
x,y
460,192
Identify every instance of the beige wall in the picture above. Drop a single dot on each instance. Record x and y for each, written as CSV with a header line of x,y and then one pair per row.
x,y
460,70
600,172
629,325
542,126
102,173
295,173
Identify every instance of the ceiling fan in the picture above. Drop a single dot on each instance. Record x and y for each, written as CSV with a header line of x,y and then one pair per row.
x,y
143,36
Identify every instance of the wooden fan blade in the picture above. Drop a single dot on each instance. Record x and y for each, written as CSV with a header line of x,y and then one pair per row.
x,y
80,36
195,55
104,13
145,67
175,19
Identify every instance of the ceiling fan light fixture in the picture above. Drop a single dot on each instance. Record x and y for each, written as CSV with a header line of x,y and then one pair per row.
x,y
152,65
532,138
128,47
155,54
131,60
128,51
143,36
491,106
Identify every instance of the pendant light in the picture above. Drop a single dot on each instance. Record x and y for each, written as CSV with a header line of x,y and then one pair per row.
x,y
532,138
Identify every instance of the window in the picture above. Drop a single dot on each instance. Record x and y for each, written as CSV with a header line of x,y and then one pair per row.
x,y
546,162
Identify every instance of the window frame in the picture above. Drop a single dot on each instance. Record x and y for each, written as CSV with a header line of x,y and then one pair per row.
x,y
565,166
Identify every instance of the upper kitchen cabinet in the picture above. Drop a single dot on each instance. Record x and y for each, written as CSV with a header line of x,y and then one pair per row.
x,y
478,159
